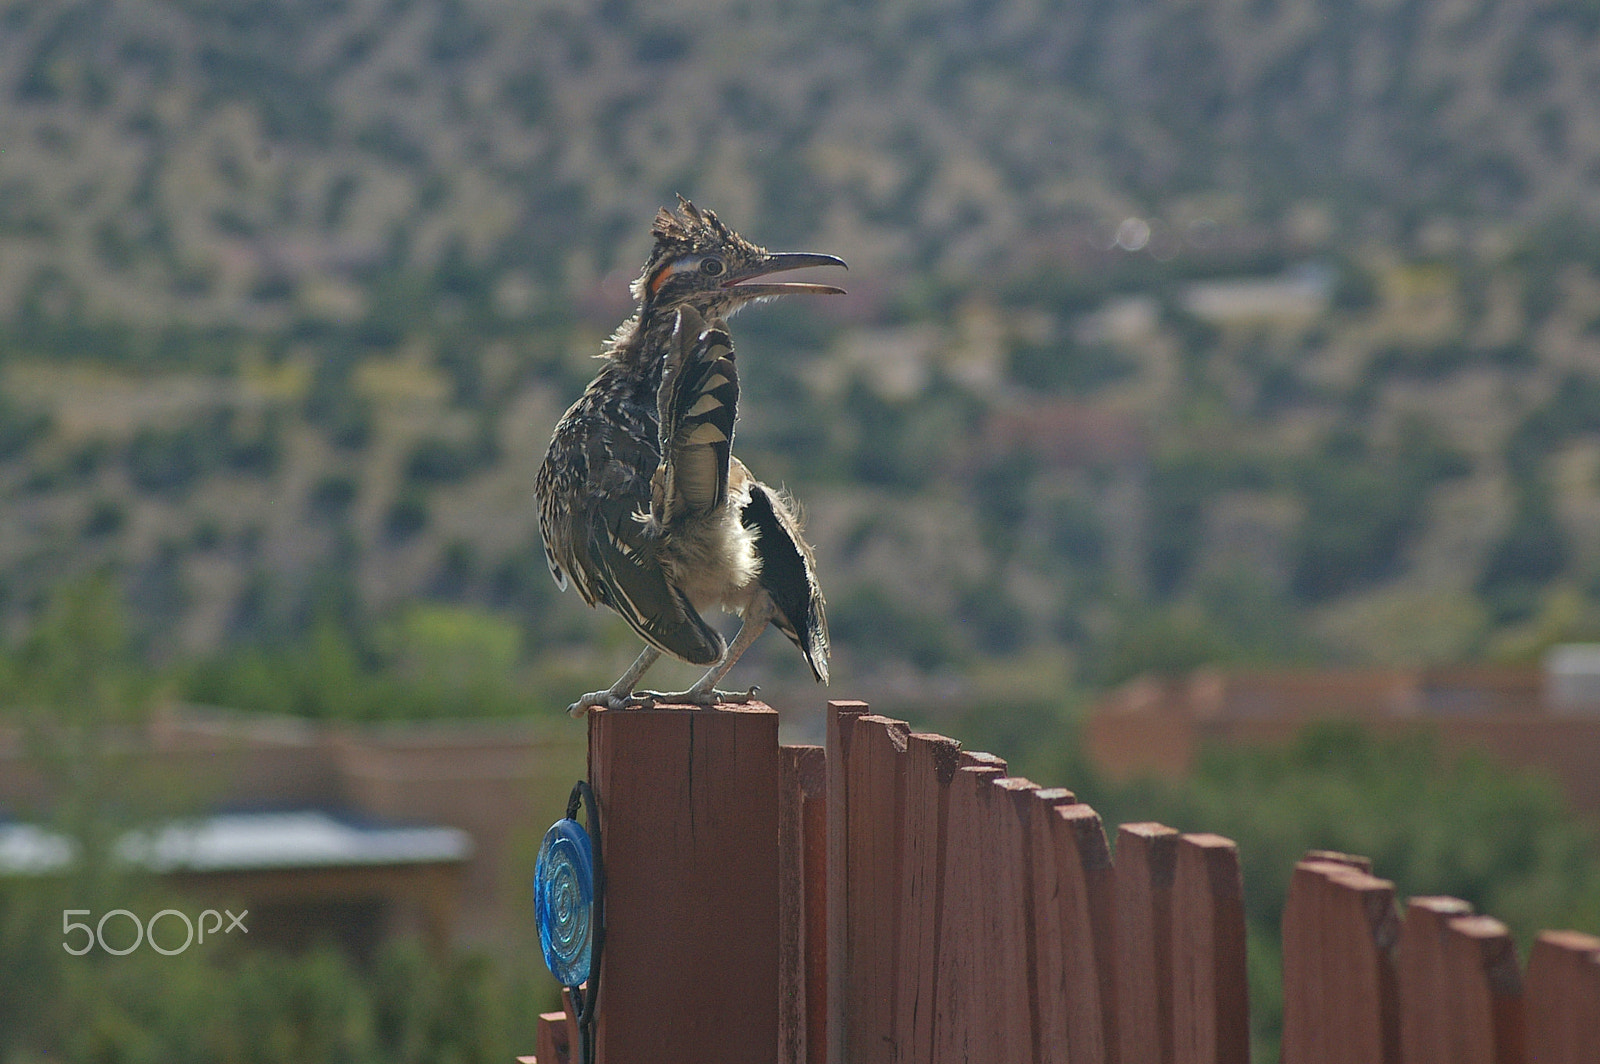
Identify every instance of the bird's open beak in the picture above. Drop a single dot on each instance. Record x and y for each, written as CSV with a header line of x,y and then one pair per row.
x,y
787,260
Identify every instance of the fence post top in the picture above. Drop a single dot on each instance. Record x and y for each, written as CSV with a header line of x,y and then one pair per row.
x,y
1148,830
1209,841
1572,942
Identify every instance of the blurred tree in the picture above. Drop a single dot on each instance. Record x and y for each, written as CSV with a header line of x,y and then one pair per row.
x,y
75,689
1528,556
1363,504
874,622
72,688
1182,483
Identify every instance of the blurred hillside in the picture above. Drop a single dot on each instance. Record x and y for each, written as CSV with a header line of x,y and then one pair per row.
x,y
1177,332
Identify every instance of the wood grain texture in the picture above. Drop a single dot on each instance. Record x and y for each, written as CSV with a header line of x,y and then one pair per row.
x,y
961,999
553,1040
814,832
1302,967
931,765
1005,861
1338,960
1359,985
689,807
1145,868
1210,989
1485,985
1563,996
802,905
1426,1027
876,765
842,717
1075,904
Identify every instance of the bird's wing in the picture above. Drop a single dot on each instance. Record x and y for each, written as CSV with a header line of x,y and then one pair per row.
x,y
557,573
553,487
697,403
626,575
788,574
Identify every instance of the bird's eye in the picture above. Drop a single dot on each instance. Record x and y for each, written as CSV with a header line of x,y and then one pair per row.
x,y
711,267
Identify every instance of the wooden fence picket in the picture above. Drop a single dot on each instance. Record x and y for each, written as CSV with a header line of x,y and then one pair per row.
x,y
553,1040
1340,989
1092,950
842,717
1485,992
1427,1028
1563,999
1056,927
1074,896
802,905
1007,990
689,798
1145,868
931,763
1210,987
1362,986
877,767
960,1001
1302,968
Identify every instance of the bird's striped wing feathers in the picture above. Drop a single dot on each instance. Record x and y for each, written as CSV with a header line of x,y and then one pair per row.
x,y
697,403
630,580
789,576
557,573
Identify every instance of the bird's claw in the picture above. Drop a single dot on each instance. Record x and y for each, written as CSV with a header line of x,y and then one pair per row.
x,y
608,700
650,699
691,697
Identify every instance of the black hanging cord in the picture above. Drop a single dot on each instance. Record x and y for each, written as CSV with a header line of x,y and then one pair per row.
x,y
586,1002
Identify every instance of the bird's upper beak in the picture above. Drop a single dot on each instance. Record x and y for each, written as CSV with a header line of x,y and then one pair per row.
x,y
785,260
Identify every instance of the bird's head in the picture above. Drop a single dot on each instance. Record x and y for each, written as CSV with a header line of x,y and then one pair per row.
x,y
699,262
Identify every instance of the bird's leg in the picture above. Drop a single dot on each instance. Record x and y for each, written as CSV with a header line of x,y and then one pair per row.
x,y
704,692
620,694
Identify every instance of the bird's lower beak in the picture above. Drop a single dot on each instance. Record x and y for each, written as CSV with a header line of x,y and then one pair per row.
x,y
787,260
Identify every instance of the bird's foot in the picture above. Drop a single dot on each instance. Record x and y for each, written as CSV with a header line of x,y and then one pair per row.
x,y
607,700
709,696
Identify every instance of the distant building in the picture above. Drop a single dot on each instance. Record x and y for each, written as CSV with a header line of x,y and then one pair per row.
x,y
300,876
1527,717
1303,292
339,833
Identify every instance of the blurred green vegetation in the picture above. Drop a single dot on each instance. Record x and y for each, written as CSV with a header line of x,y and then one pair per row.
x,y
432,661
299,355
68,687
230,1003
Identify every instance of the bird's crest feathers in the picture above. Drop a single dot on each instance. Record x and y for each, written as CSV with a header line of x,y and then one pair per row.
x,y
688,230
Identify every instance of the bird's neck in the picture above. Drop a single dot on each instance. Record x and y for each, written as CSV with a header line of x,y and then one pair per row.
x,y
640,343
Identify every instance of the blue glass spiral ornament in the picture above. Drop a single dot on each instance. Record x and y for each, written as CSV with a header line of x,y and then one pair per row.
x,y
563,901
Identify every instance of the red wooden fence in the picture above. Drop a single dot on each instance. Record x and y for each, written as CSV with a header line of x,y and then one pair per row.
x,y
927,908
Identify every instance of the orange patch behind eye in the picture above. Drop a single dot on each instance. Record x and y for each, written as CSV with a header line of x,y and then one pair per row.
x,y
660,276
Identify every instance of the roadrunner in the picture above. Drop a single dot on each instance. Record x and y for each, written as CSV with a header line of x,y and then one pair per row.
x,y
641,503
